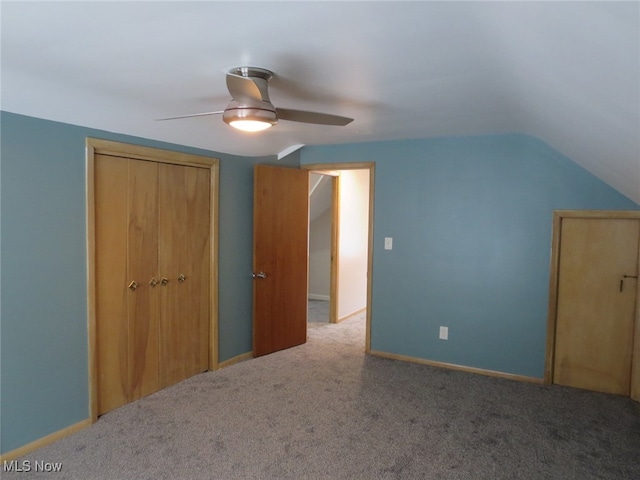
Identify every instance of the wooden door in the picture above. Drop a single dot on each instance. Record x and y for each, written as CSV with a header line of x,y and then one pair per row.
x,y
595,312
152,225
280,249
183,261
125,237
111,225
142,259
151,214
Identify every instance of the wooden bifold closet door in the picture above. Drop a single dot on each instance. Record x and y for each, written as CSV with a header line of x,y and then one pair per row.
x,y
183,233
152,276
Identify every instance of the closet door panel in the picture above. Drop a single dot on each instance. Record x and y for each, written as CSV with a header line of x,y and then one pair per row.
x,y
184,260
196,295
142,254
111,224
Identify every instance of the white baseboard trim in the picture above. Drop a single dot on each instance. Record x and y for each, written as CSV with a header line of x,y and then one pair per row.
x,y
315,296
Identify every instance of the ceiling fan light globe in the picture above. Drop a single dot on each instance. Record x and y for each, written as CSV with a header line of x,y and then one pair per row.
x,y
250,125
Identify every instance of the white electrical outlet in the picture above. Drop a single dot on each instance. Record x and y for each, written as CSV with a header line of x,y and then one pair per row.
x,y
444,333
388,243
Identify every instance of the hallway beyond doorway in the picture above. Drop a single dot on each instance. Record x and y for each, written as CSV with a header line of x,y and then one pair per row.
x,y
318,311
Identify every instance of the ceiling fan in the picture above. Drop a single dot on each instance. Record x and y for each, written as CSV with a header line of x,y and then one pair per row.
x,y
250,108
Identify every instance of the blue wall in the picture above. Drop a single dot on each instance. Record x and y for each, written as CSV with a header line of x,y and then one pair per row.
x,y
43,315
471,225
470,217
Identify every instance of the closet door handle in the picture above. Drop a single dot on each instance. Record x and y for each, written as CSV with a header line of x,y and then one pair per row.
x,y
133,285
625,277
164,281
153,282
181,278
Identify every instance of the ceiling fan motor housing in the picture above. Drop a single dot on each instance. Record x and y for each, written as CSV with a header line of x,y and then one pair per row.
x,y
256,105
257,111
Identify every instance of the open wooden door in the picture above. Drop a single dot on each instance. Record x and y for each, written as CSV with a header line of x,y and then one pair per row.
x,y
280,266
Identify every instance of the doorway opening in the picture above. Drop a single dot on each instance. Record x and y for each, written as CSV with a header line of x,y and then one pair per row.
x,y
340,242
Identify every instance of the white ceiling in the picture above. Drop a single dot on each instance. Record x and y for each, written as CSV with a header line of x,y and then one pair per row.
x,y
566,72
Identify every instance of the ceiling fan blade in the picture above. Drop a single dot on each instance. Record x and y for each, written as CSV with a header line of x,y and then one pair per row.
x,y
243,88
312,117
190,115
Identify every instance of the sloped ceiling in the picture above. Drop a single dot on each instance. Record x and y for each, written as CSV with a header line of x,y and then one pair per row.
x,y
566,72
320,195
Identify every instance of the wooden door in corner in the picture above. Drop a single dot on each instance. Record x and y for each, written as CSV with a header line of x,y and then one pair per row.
x,y
280,258
596,310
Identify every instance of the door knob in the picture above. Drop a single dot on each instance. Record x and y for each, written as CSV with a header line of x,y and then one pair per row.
x,y
133,285
259,275
164,281
181,278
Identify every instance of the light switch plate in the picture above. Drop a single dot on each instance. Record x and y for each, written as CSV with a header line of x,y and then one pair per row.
x,y
388,243
444,333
